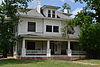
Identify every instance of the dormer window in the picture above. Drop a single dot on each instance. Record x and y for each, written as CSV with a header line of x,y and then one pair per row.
x,y
53,14
49,13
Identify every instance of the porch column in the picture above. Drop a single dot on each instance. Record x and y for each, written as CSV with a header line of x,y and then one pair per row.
x,y
48,49
69,51
23,48
15,50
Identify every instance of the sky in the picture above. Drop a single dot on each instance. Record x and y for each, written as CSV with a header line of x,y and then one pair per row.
x,y
75,7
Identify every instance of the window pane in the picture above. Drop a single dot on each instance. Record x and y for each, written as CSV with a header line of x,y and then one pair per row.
x,y
48,28
49,13
31,26
55,28
53,14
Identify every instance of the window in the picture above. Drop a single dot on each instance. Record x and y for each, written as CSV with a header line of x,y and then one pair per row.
x,y
55,28
48,28
70,30
49,13
53,14
31,26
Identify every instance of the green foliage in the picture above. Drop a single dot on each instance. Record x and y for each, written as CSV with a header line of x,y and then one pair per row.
x,y
66,6
8,21
90,40
90,37
93,5
89,19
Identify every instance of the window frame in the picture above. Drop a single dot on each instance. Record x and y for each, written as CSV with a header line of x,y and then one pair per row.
x,y
49,13
53,13
56,31
49,30
29,28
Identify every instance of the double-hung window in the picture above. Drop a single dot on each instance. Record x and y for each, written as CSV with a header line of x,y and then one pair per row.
x,y
48,28
55,28
49,13
53,14
31,27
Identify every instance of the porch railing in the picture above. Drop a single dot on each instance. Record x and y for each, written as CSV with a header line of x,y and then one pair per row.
x,y
78,53
32,52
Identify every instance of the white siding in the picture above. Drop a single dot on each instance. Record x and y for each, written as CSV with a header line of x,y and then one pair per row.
x,y
23,26
41,27
53,23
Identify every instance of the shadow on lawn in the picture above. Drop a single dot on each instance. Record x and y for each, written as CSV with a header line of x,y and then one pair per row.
x,y
19,61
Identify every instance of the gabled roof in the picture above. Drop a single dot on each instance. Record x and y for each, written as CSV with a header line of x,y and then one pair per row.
x,y
49,6
32,13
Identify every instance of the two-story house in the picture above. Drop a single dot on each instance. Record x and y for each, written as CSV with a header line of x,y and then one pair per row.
x,y
40,35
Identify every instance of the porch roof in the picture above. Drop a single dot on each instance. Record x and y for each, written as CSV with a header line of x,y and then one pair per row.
x,y
46,37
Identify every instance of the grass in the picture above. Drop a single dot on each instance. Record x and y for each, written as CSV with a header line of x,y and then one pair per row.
x,y
38,63
91,61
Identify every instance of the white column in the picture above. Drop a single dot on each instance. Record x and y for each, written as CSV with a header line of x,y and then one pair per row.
x,y
48,49
69,51
23,49
15,50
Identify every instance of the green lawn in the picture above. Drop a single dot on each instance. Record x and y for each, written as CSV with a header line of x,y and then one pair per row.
x,y
91,61
38,63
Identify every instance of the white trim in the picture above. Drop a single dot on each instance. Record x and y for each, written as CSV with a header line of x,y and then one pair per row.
x,y
48,49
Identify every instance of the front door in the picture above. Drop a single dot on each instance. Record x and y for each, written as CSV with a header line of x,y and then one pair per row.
x,y
53,48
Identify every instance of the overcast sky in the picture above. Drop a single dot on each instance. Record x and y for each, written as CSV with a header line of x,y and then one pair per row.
x,y
75,7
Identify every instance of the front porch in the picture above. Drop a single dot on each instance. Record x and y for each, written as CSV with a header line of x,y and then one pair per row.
x,y
50,48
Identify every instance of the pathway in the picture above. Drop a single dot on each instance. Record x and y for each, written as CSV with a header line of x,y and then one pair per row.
x,y
93,64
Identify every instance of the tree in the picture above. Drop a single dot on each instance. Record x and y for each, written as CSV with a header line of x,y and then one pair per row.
x,y
66,6
8,21
90,40
88,20
93,5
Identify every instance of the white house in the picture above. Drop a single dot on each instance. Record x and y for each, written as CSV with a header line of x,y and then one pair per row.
x,y
40,36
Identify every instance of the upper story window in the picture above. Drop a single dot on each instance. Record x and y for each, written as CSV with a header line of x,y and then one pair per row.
x,y
49,13
48,28
55,28
53,14
31,26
